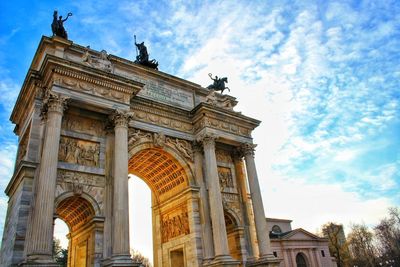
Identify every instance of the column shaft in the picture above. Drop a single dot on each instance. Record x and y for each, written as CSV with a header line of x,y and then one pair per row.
x,y
221,247
208,248
120,195
41,241
258,207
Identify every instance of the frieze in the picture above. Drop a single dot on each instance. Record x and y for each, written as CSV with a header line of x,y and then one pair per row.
x,y
165,121
175,223
224,125
66,176
81,82
83,125
79,151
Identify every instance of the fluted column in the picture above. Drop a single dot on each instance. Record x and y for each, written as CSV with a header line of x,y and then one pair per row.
x,y
208,247
241,178
220,238
41,242
120,227
258,207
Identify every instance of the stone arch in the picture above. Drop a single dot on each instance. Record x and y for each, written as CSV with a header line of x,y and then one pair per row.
x,y
232,220
168,163
83,195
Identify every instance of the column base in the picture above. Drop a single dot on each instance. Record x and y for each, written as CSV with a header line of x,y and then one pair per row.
x,y
39,260
223,261
265,261
120,261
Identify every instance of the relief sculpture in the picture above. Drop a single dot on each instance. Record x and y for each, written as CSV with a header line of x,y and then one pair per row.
x,y
225,177
83,125
79,152
175,224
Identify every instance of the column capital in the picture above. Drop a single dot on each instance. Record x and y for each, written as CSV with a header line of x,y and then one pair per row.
x,y
197,146
247,149
207,139
120,118
53,102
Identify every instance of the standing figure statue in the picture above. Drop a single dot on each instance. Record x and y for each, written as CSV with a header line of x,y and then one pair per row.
x,y
57,26
143,57
218,84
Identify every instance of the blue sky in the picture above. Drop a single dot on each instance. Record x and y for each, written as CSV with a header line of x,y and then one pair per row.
x,y
323,76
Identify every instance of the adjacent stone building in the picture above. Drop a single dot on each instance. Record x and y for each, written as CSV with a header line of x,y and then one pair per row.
x,y
298,248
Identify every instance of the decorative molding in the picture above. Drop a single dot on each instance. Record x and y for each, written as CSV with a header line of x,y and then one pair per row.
x,y
226,125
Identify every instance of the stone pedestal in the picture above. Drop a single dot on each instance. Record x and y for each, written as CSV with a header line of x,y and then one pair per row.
x,y
269,261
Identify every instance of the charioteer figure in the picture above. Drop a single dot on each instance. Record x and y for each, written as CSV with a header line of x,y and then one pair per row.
x,y
143,57
57,27
218,84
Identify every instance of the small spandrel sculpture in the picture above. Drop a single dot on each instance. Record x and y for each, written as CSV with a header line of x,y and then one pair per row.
x,y
142,57
218,84
57,26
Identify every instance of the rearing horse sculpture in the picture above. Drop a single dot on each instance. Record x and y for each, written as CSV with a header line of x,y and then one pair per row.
x,y
219,84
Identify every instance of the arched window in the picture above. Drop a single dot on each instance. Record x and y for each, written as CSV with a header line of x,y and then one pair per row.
x,y
276,229
300,260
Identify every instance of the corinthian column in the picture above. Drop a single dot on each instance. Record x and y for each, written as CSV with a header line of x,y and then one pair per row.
x,y
40,244
220,238
258,207
120,227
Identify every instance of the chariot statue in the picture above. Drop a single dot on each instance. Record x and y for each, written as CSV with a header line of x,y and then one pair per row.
x,y
142,57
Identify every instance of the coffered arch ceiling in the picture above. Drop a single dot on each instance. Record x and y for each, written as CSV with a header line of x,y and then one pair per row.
x,y
75,211
160,170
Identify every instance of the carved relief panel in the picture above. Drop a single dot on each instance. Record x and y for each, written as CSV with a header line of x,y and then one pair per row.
x,y
225,178
175,223
83,125
77,151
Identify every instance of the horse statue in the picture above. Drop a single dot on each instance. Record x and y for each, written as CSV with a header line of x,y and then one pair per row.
x,y
218,84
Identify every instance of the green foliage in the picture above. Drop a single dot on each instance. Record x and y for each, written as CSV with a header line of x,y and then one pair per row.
x,y
337,243
60,254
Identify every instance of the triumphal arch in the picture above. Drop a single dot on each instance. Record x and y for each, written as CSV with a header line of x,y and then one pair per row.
x,y
85,121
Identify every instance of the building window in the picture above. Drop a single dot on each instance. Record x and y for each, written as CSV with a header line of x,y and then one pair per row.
x,y
276,229
300,260
323,253
275,254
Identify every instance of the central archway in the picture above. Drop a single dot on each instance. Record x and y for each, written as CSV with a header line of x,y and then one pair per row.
x,y
169,178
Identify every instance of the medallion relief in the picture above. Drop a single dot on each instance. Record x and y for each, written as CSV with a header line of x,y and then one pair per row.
x,y
175,223
79,151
